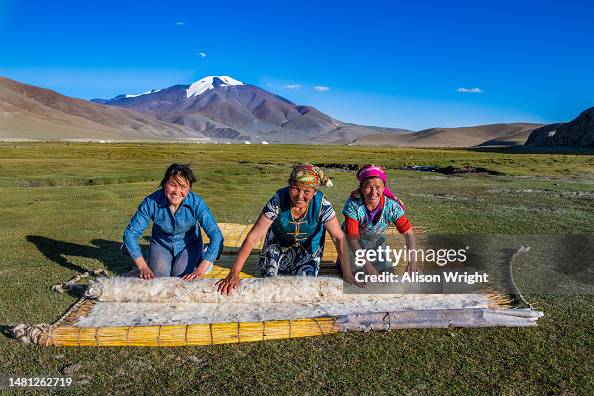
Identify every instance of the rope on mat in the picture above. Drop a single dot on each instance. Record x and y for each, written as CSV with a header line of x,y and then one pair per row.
x,y
72,283
517,292
33,334
30,334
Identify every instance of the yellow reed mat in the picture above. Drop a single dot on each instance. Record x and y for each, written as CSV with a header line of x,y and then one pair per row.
x,y
66,333
235,327
71,329
187,335
250,269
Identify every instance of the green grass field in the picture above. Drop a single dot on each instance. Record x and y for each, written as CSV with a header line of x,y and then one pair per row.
x,y
64,208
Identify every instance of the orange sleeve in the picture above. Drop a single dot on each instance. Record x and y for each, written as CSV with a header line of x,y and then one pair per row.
x,y
403,224
352,226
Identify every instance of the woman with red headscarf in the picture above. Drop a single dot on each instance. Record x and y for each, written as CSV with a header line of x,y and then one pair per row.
x,y
369,211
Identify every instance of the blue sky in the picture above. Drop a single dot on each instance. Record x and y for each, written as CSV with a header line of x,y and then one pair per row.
x,y
389,63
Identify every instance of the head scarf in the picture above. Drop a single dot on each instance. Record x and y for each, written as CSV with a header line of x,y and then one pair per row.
x,y
309,175
371,170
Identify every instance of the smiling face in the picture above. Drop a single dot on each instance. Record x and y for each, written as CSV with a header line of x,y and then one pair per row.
x,y
372,190
301,195
176,190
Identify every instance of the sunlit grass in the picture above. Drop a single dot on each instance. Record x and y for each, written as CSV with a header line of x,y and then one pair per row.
x,y
64,208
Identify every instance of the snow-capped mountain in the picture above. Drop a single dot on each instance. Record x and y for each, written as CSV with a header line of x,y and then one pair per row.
x,y
200,86
210,82
224,108
144,93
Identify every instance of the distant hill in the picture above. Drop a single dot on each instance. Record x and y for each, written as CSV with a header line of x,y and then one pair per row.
x,y
492,134
31,113
224,108
576,133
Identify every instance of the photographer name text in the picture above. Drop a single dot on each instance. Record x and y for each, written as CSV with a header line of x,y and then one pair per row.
x,y
415,277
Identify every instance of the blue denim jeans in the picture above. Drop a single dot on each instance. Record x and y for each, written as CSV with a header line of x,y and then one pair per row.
x,y
162,262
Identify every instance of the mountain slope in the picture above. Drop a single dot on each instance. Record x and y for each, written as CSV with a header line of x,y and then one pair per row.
x,y
576,133
29,112
492,134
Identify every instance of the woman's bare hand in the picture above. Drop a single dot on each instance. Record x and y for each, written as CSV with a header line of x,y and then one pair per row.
x,y
411,267
199,272
226,285
349,278
371,269
411,245
145,272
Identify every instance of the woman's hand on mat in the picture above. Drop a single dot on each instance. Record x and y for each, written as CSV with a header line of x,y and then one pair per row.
x,y
412,267
145,272
349,278
226,285
199,272
370,269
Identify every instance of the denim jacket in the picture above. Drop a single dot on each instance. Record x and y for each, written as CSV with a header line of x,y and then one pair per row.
x,y
177,231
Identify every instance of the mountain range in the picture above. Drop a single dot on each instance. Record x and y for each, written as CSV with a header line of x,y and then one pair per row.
x,y
223,109
481,135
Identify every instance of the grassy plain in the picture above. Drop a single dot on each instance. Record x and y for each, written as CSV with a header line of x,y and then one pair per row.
x,y
64,207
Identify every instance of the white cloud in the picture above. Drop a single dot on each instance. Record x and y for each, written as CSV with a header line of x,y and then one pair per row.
x,y
179,23
202,54
321,88
293,86
470,90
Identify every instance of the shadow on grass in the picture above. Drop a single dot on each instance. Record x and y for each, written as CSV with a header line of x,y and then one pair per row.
x,y
507,256
104,251
6,330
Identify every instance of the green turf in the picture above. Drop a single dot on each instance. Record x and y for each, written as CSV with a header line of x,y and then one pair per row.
x,y
64,207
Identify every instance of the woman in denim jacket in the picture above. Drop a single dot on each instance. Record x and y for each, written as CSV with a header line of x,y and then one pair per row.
x,y
177,213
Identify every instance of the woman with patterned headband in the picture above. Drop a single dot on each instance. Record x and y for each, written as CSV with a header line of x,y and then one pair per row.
x,y
369,211
295,221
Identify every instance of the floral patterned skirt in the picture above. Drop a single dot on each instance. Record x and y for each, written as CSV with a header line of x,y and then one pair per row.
x,y
295,260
